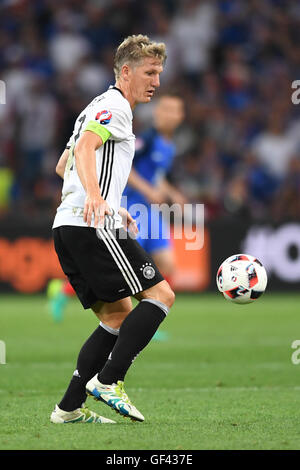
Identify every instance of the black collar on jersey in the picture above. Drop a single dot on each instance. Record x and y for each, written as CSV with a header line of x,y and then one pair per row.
x,y
113,87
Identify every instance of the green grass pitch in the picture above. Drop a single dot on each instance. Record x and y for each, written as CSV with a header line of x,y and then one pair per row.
x,y
223,379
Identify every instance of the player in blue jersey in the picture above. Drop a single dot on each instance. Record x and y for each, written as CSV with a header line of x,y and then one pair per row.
x,y
147,183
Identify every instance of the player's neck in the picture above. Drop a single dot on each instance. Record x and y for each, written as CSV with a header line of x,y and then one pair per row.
x,y
125,90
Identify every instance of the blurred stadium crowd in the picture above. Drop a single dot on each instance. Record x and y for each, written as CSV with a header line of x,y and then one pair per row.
x,y
233,62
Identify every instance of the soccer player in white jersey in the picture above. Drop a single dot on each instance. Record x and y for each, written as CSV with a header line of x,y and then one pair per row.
x,y
104,265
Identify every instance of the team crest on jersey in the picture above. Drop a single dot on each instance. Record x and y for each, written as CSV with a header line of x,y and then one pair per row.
x,y
104,116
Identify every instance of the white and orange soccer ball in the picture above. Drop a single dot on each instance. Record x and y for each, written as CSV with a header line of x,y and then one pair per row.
x,y
242,279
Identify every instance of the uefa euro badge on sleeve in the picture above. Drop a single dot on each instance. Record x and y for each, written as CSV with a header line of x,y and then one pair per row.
x,y
104,117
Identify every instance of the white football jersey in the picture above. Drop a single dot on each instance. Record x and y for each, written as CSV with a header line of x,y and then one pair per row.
x,y
108,115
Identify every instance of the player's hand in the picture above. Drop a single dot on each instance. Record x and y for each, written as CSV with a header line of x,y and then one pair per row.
x,y
128,221
95,206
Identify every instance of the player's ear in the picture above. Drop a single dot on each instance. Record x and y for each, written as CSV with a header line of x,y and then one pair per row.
x,y
125,71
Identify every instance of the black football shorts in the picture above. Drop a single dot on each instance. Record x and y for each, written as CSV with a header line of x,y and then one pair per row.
x,y
103,264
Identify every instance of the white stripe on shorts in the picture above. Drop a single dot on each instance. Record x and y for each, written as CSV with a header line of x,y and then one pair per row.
x,y
120,260
115,242
103,235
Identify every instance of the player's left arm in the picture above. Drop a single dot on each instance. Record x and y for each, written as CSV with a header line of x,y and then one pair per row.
x,y
61,164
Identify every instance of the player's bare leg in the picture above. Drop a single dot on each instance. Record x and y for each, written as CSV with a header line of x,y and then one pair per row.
x,y
161,292
113,314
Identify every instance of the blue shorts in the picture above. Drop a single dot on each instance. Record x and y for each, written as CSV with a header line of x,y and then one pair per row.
x,y
155,236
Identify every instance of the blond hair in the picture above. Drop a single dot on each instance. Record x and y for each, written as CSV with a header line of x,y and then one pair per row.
x,y
135,48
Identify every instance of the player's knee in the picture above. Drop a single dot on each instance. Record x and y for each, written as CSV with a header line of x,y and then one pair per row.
x,y
113,314
166,294
170,297
114,320
161,292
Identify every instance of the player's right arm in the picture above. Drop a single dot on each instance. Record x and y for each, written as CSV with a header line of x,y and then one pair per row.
x,y
85,156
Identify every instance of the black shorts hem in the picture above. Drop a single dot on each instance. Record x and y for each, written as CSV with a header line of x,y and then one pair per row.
x,y
87,305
